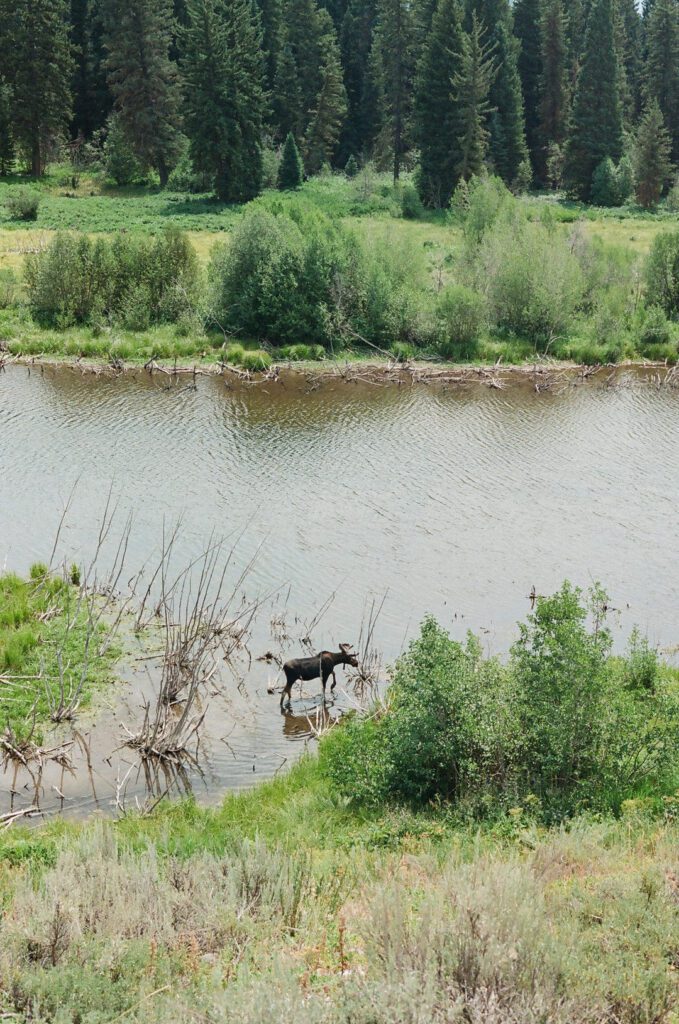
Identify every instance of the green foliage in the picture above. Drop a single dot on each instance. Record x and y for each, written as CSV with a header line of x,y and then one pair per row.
x,y
532,280
652,157
143,80
7,147
662,274
23,204
564,726
655,329
185,178
402,352
37,61
255,360
596,130
137,280
411,204
462,316
471,86
224,105
611,185
437,114
295,276
290,172
553,112
120,163
351,167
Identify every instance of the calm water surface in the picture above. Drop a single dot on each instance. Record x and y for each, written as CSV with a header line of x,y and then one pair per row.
x,y
454,502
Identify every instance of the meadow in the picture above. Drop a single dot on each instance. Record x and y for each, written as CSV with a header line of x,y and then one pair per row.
x,y
416,263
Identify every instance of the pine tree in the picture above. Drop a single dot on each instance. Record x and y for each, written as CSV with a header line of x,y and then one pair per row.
x,y
355,43
91,99
224,110
662,64
38,62
396,40
290,172
327,118
472,85
271,18
143,79
6,130
374,114
652,163
437,118
527,29
631,57
553,83
288,104
596,130
506,116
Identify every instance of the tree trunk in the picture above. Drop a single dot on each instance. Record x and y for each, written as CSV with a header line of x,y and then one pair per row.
x,y
163,172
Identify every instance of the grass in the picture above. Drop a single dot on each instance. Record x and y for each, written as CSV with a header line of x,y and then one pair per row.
x,y
43,624
286,904
369,204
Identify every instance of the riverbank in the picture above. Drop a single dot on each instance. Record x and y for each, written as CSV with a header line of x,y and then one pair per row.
x,y
356,368
286,904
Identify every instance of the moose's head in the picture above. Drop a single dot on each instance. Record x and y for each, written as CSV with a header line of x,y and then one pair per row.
x,y
349,658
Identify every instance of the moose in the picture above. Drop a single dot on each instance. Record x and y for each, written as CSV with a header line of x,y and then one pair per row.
x,y
318,666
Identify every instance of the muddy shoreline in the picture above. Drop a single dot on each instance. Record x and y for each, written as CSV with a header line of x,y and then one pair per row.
x,y
538,376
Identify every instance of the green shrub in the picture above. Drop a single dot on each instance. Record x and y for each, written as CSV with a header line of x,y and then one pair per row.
x,y
255,360
480,203
9,288
302,353
23,204
531,277
662,274
185,178
562,727
351,169
611,185
462,316
411,204
134,280
655,329
672,202
402,351
120,163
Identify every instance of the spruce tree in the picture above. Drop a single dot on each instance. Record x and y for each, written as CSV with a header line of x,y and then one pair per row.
x,y
596,128
472,85
38,62
437,118
631,57
271,19
355,43
143,80
527,29
553,84
223,82
506,115
327,118
396,39
92,100
374,114
288,105
652,163
662,64
6,130
290,172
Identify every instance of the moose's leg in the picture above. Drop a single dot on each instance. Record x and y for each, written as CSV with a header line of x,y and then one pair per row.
x,y
287,692
334,681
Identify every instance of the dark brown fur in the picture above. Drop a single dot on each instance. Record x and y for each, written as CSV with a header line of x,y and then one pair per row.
x,y
318,666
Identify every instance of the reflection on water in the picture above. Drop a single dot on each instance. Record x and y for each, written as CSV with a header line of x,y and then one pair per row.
x,y
455,502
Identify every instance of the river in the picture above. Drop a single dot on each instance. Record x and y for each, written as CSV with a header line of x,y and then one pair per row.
x,y
454,501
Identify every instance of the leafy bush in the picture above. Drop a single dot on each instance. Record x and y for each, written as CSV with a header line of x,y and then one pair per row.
x,y
185,178
655,328
23,205
302,353
402,351
137,281
531,278
480,203
611,185
255,359
462,316
291,275
563,726
120,163
411,204
9,288
662,273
